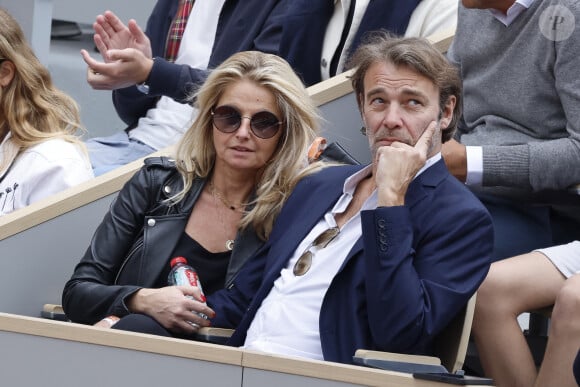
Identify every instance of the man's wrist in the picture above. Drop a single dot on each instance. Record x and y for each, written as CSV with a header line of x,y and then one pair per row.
x,y
143,87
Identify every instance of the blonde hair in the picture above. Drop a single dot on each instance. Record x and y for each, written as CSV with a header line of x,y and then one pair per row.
x,y
32,110
196,152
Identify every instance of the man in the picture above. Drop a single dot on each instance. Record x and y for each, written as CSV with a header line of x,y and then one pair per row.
x,y
152,80
318,35
380,256
518,145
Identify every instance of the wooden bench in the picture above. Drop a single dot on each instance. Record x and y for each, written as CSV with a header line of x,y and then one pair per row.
x,y
35,351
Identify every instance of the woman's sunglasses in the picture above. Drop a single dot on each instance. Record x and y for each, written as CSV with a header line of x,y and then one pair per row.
x,y
228,119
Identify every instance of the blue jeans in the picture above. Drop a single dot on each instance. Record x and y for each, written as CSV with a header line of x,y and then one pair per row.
x,y
108,153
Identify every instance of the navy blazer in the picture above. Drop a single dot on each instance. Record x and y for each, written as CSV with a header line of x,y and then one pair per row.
x,y
412,270
305,24
243,25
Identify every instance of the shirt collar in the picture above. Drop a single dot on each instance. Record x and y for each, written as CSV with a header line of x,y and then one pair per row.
x,y
513,12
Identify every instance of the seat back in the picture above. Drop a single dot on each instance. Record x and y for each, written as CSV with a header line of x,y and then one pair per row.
x,y
450,346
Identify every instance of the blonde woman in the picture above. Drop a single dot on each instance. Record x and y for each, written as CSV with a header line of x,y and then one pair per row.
x,y
215,204
39,152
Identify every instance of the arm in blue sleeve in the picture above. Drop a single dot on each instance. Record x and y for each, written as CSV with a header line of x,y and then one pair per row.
x,y
417,281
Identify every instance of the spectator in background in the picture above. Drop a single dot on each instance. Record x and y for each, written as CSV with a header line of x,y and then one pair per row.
x,y
39,152
518,145
214,205
318,35
153,73
521,284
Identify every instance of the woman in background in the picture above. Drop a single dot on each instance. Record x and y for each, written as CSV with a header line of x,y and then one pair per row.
x,y
39,152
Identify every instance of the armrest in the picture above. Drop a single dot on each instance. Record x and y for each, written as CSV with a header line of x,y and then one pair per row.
x,y
214,335
207,334
53,312
398,361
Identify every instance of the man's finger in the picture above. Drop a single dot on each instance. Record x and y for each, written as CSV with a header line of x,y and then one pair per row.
x,y
89,59
126,54
114,21
101,46
137,32
424,142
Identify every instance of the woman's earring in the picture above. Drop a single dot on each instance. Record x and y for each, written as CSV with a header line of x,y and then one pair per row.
x,y
363,131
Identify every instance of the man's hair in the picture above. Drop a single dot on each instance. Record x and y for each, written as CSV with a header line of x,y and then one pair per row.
x,y
196,151
417,54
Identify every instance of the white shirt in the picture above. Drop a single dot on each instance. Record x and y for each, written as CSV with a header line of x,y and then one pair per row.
x,y
429,16
40,171
164,124
513,12
474,154
287,322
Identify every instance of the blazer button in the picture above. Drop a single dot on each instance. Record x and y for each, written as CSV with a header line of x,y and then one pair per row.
x,y
167,189
151,222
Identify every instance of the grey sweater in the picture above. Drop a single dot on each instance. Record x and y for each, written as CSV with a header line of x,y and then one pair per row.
x,y
521,98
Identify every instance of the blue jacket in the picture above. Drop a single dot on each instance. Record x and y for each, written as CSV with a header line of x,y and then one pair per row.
x,y
243,25
305,25
412,270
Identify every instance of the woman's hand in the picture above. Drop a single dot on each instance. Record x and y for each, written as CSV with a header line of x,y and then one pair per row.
x,y
175,307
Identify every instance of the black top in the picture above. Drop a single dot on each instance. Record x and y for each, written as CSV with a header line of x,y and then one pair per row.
x,y
211,267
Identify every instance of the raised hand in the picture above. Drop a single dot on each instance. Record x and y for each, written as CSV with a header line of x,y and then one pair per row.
x,y
125,68
126,52
111,33
397,164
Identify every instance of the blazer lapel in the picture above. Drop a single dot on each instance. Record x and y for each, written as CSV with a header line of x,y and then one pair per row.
x,y
430,178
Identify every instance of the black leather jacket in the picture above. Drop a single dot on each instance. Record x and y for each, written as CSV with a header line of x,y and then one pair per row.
x,y
132,244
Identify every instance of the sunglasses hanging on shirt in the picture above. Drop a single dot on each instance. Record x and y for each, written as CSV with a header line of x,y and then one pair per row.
x,y
304,263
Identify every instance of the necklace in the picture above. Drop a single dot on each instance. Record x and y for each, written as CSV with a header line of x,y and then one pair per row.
x,y
225,201
229,242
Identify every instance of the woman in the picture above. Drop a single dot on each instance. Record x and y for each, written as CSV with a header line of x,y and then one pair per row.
x,y
39,152
234,168
522,284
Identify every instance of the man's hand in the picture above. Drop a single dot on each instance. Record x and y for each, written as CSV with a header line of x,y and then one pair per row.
x,y
174,307
111,33
397,166
455,157
126,52
125,68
